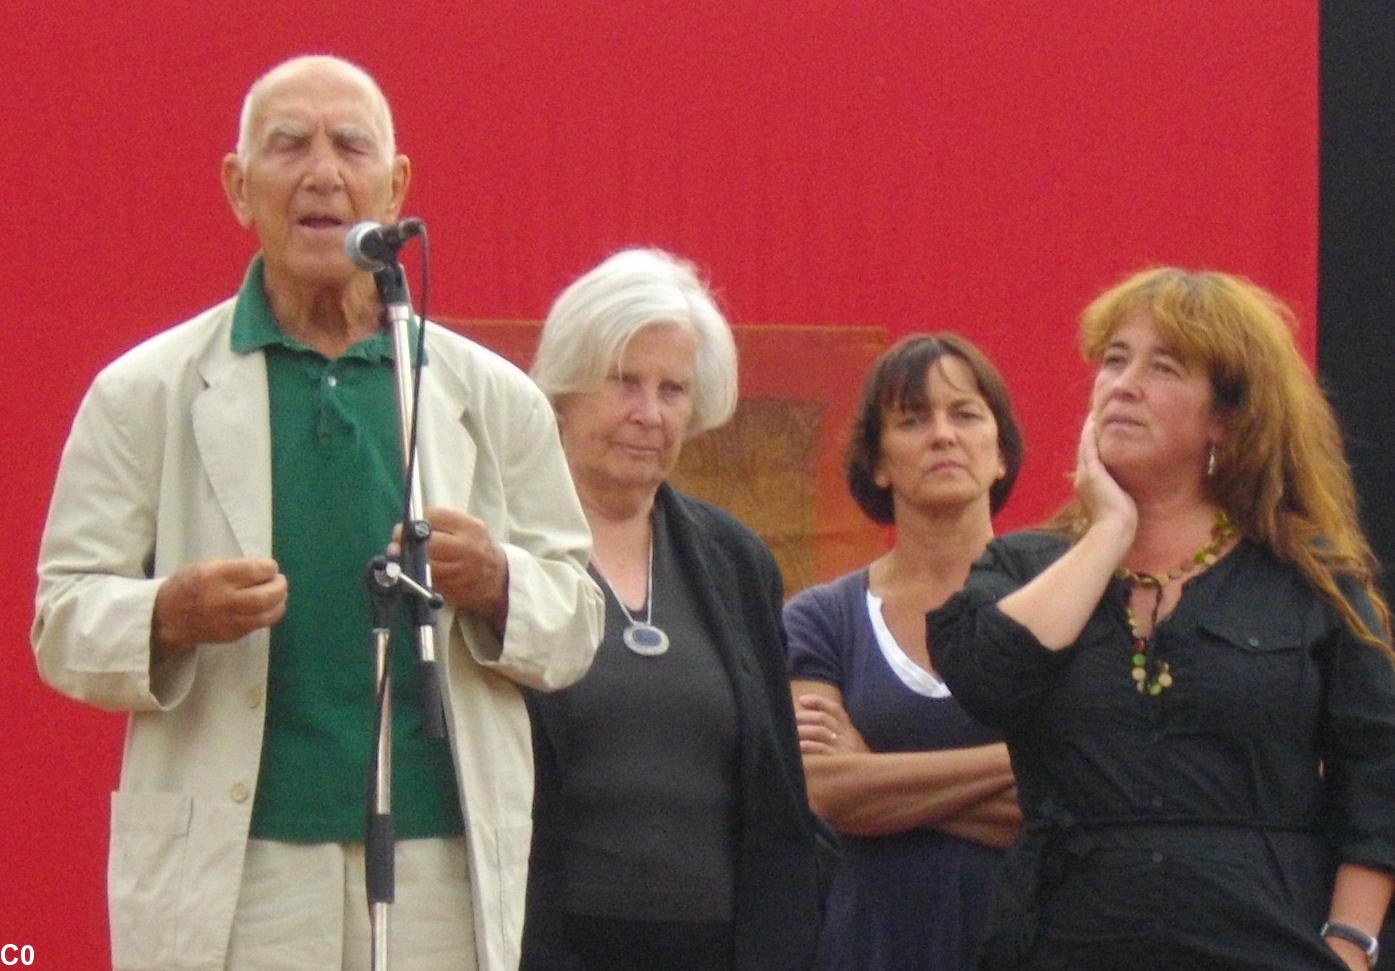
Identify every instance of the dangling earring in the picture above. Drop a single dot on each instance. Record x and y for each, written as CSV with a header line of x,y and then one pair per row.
x,y
1211,461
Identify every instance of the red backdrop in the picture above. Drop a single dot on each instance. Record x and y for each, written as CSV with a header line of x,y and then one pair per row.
x,y
966,165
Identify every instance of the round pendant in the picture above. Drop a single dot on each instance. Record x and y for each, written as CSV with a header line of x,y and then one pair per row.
x,y
644,639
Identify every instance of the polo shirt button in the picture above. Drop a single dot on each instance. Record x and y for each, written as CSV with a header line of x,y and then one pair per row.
x,y
254,697
1156,857
332,381
1252,641
1157,802
239,792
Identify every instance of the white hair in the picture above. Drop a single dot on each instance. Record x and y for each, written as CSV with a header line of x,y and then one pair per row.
x,y
254,93
592,321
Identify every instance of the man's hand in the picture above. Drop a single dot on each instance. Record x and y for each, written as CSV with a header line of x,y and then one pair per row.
x,y
216,602
468,567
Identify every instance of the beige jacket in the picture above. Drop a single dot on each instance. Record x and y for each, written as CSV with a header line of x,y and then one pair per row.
x,y
168,462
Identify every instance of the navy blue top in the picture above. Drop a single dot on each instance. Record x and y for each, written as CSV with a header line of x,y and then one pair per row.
x,y
913,900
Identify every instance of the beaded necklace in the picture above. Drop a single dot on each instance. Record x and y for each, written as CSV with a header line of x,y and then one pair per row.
x,y
1221,531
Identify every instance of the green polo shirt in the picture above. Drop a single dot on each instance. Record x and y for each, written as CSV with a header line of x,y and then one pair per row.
x,y
336,486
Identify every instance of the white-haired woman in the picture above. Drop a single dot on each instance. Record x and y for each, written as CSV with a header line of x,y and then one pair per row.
x,y
671,827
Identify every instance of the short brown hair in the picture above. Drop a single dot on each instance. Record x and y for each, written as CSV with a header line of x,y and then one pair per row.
x,y
897,380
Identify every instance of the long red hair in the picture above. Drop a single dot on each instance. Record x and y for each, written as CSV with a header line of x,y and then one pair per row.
x,y
1280,471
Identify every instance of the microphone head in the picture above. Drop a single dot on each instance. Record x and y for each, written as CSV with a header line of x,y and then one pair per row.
x,y
364,246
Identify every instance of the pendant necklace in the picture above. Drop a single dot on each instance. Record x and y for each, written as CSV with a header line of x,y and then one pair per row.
x,y
641,636
1221,531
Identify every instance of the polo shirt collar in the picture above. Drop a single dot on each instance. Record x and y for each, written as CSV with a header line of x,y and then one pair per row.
x,y
255,328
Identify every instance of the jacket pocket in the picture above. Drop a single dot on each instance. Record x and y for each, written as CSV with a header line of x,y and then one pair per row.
x,y
149,839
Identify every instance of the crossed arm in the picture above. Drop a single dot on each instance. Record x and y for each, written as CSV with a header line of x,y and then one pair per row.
x,y
968,793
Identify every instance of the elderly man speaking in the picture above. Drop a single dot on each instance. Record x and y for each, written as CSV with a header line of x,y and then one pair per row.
x,y
221,492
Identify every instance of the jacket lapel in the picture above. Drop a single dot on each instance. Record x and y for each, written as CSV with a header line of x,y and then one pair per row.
x,y
445,451
717,592
232,427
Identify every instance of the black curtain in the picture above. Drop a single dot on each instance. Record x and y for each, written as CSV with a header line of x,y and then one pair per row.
x,y
1356,258
1356,248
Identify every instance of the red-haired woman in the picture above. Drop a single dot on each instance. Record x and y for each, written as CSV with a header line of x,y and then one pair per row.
x,y
1193,670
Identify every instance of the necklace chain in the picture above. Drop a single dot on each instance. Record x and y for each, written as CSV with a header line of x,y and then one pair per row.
x,y
643,638
648,588
1222,529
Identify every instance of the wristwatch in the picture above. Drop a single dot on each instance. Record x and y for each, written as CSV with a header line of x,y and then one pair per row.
x,y
1358,937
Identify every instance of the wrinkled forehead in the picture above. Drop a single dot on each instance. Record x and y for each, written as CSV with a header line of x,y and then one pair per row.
x,y
304,96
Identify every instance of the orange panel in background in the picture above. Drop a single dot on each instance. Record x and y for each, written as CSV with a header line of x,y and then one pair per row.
x,y
777,465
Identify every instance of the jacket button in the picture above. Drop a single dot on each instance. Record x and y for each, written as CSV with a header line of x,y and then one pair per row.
x,y
239,792
254,697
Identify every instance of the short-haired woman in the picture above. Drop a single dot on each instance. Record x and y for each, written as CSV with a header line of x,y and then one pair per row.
x,y
922,793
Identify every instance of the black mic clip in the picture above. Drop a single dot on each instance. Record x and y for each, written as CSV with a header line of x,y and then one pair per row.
x,y
372,246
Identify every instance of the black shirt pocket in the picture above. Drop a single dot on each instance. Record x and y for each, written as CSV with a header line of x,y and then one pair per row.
x,y
1252,676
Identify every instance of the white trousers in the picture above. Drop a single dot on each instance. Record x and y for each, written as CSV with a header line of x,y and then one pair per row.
x,y
303,907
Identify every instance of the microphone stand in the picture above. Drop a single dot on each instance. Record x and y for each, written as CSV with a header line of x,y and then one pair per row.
x,y
392,581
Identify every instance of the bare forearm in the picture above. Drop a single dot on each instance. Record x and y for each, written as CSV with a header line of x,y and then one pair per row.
x,y
875,794
1360,897
1055,605
995,822
997,836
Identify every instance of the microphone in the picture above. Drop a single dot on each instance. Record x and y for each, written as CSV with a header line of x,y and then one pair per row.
x,y
372,246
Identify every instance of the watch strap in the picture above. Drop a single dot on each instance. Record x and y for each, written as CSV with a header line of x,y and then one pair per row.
x,y
1356,936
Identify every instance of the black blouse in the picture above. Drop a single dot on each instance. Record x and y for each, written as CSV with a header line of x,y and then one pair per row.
x,y
1199,827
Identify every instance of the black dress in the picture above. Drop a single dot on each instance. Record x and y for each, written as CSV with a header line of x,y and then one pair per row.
x,y
1199,828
